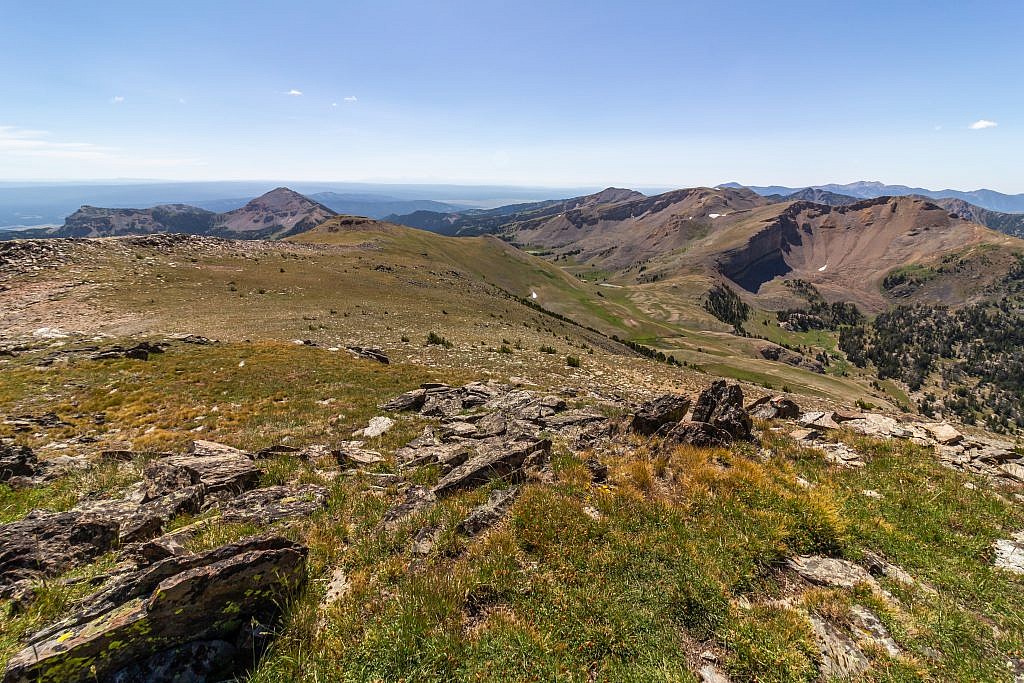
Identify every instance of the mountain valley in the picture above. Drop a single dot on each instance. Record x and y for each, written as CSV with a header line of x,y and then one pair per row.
x,y
702,435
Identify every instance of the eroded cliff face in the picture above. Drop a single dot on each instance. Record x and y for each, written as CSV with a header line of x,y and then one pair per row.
x,y
847,251
765,255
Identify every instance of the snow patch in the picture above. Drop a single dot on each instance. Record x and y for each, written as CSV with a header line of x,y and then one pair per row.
x,y
714,215
533,294
822,269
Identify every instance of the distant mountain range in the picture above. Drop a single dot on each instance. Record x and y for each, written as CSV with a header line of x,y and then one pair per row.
x,y
846,246
36,204
276,214
986,199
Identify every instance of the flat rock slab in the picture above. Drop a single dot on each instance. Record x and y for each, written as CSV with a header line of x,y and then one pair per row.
x,y
275,503
830,571
226,472
207,448
48,543
499,460
840,656
214,599
1010,554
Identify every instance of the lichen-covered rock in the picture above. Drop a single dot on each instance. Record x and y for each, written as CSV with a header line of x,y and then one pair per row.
x,y
139,522
657,413
831,571
274,503
506,460
48,543
199,598
195,662
489,513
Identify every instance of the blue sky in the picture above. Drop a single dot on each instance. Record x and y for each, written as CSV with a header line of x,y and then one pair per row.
x,y
539,93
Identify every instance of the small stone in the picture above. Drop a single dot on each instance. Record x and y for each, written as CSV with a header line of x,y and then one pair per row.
x,y
377,426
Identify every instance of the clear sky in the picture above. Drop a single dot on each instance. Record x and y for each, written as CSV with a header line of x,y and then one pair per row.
x,y
540,93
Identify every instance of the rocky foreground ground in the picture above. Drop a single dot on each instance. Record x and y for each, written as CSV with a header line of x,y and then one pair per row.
x,y
162,612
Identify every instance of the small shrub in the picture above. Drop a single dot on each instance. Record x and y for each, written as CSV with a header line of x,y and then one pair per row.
x,y
547,349
572,361
437,340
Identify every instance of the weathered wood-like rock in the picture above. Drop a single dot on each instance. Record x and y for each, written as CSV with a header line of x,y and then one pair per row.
x,y
195,599
655,414
48,543
507,461
489,513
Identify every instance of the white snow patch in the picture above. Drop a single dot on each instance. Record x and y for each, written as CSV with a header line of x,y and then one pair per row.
x,y
608,284
822,269
714,215
533,294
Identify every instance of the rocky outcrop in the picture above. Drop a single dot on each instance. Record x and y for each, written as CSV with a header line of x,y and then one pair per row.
x,y
507,461
721,405
48,543
655,414
197,609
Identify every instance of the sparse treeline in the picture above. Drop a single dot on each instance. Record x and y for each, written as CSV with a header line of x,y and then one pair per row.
x,y
977,351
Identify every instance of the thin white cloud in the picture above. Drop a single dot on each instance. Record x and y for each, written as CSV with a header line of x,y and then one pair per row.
x,y
351,98
117,99
334,104
294,93
26,142
982,124
37,143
